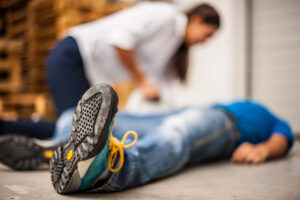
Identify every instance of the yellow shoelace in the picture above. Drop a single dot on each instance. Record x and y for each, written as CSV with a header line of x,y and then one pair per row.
x,y
116,148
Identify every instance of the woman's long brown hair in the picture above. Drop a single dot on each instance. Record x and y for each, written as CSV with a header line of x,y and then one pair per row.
x,y
178,65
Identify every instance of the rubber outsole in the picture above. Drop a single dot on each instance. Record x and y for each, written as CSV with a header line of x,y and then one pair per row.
x,y
90,131
23,153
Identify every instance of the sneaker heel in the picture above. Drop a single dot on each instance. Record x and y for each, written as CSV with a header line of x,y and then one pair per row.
x,y
61,173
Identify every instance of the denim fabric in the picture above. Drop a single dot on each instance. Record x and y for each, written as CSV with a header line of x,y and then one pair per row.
x,y
167,142
63,126
123,123
140,123
40,129
65,74
189,136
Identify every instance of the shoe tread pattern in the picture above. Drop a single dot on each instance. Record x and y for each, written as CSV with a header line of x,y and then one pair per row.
x,y
20,153
84,140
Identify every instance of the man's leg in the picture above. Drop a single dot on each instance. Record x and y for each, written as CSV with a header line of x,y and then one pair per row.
x,y
19,148
23,151
84,162
63,126
218,138
138,123
190,136
91,151
86,155
20,152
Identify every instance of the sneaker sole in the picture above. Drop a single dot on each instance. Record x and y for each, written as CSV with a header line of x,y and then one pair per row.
x,y
23,153
94,113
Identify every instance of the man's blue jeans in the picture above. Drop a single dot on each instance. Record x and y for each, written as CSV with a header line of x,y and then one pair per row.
x,y
169,141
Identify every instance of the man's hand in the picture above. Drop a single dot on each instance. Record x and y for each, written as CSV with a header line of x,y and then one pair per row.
x,y
276,146
250,153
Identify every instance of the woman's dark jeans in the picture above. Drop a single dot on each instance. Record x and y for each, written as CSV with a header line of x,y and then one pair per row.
x,y
67,83
65,74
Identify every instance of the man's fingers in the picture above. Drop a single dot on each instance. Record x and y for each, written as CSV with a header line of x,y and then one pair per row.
x,y
257,160
251,156
241,152
249,153
236,157
255,157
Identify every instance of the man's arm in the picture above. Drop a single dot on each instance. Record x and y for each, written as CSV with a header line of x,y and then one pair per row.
x,y
128,60
274,147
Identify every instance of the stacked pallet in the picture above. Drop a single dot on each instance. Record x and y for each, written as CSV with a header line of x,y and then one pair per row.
x,y
28,30
16,19
10,65
16,101
48,21
15,26
1,23
27,105
115,7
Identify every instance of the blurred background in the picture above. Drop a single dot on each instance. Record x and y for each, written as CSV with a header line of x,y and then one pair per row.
x,y
256,54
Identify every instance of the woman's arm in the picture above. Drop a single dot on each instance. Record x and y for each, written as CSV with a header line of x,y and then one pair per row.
x,y
128,60
274,147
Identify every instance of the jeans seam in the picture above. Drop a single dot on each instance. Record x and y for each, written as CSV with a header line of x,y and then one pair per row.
x,y
179,166
203,141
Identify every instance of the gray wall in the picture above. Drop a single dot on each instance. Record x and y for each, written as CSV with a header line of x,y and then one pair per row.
x,y
275,59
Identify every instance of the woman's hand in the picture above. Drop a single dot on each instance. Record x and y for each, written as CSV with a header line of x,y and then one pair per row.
x,y
127,57
249,153
150,91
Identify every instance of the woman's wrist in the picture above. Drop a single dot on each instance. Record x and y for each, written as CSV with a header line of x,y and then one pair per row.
x,y
142,81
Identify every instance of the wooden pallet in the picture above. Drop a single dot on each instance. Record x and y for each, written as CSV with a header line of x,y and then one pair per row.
x,y
4,4
14,13
15,16
48,21
10,65
115,7
1,24
26,105
39,24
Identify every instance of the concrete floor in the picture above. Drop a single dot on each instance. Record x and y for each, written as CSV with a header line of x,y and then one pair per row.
x,y
278,179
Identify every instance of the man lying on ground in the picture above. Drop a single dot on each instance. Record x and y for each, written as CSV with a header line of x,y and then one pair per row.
x,y
94,159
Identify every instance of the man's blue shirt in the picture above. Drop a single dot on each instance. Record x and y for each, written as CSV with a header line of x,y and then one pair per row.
x,y
256,123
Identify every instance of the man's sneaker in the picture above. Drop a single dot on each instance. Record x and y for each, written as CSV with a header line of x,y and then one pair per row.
x,y
91,152
23,153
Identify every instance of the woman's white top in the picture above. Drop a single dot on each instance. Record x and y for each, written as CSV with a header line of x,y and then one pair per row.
x,y
153,31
